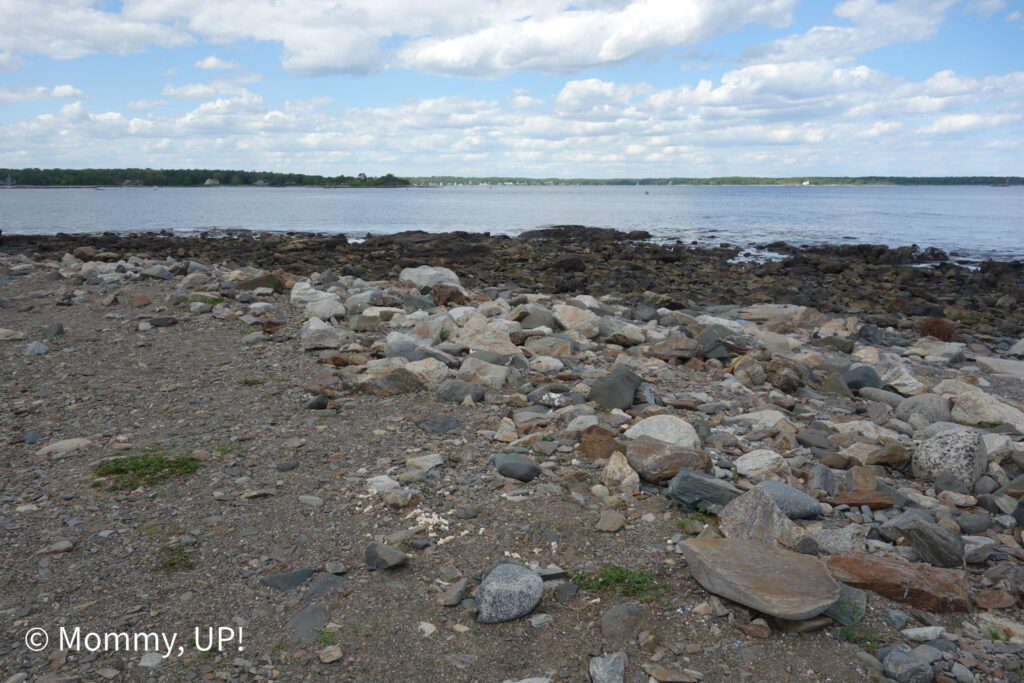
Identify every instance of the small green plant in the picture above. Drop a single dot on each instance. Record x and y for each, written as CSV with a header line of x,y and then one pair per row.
x,y
147,530
204,655
702,516
444,334
622,580
448,506
149,468
354,629
477,511
735,476
995,633
858,634
279,645
547,437
173,558
250,382
539,457
326,638
226,449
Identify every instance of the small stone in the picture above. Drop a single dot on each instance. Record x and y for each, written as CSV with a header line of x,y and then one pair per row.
x,y
516,466
382,556
36,348
794,503
312,501
287,580
608,668
611,521
331,653
902,665
620,623
61,546
318,402
151,660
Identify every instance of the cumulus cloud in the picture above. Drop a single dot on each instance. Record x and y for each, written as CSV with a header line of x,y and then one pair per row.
x,y
964,123
215,88
145,105
65,29
213,63
986,8
18,95
9,62
769,119
456,37
607,33
874,25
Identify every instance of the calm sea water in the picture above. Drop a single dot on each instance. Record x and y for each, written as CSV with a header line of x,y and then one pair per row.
x,y
974,222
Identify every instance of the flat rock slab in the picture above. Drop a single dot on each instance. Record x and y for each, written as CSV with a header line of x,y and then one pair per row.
x,y
920,585
769,579
876,500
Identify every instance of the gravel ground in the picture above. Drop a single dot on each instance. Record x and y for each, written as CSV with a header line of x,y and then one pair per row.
x,y
190,552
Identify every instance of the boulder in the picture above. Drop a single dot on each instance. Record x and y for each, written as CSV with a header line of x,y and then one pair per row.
x,y
616,389
959,452
656,461
754,516
429,276
761,463
979,409
668,428
509,591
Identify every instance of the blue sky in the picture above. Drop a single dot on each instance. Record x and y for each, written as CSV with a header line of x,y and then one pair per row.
x,y
591,88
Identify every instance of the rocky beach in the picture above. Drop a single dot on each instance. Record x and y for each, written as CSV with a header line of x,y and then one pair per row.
x,y
572,456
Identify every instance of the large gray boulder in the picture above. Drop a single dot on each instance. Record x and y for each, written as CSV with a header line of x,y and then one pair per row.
x,y
959,452
429,276
509,591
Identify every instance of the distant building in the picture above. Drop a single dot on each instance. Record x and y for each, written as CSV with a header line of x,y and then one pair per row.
x,y
211,182
260,182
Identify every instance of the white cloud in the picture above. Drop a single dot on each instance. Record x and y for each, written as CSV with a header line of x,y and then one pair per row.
x,y
9,62
145,105
964,123
18,95
875,25
985,8
456,37
65,29
213,63
565,42
215,88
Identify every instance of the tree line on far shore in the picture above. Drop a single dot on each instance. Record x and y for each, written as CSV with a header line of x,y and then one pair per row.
x,y
64,177
726,180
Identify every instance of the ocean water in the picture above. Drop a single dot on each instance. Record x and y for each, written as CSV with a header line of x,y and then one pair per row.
x,y
971,222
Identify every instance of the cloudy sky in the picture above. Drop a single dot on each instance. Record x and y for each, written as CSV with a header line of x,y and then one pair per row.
x,y
587,88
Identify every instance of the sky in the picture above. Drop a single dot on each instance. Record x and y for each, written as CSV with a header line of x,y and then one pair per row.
x,y
538,88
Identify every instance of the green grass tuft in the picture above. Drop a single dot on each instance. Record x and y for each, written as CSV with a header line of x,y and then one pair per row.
x,y
146,469
621,580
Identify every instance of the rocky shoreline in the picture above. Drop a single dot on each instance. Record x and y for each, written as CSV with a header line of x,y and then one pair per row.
x,y
572,456
882,285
